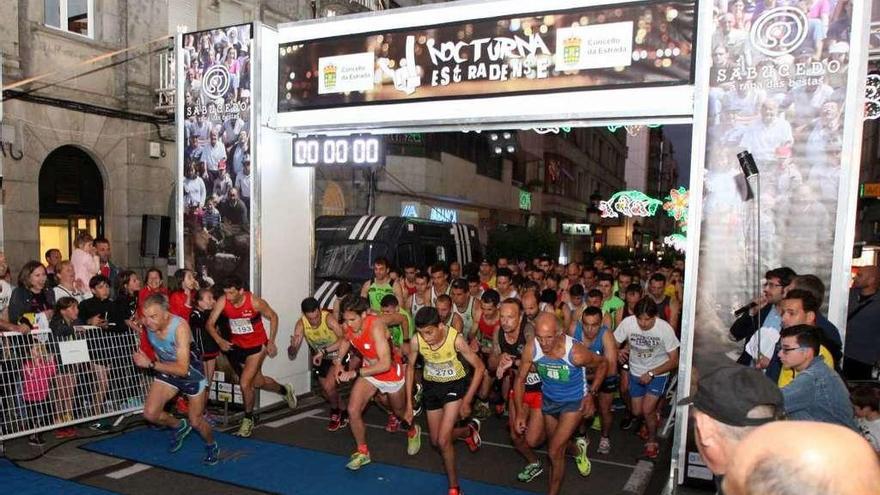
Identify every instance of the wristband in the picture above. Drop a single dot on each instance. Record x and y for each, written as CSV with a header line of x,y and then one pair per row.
x,y
651,374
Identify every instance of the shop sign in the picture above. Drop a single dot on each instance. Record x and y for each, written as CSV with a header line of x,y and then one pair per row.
x,y
525,200
577,229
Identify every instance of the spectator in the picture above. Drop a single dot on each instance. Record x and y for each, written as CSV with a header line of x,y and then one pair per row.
x,y
126,302
194,190
766,315
63,319
779,458
817,392
233,209
84,260
96,310
730,401
240,153
105,266
213,153
862,350
66,283
831,334
799,307
243,183
5,297
37,373
211,219
769,137
31,298
53,257
154,284
182,300
866,404
223,183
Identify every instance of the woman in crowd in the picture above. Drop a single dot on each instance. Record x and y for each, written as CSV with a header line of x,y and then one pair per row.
x,y
31,298
67,283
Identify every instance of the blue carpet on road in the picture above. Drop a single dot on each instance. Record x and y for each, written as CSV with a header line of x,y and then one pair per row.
x,y
21,481
281,468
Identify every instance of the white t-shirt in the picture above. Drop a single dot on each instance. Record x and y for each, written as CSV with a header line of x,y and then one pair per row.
x,y
648,349
5,294
871,431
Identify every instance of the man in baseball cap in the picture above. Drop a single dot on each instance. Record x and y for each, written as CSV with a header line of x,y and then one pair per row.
x,y
730,401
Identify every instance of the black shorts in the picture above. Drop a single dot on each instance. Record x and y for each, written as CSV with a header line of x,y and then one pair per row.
x,y
237,356
437,394
327,364
609,384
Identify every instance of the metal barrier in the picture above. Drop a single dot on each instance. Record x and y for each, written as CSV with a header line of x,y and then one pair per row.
x,y
49,382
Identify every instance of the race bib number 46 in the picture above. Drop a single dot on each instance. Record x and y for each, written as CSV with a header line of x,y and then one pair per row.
x,y
241,326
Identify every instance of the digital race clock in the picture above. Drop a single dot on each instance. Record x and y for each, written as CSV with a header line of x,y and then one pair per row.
x,y
343,151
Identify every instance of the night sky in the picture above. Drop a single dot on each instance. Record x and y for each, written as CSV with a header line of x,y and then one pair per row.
x,y
680,136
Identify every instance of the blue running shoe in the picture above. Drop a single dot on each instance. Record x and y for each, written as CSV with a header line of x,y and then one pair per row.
x,y
178,435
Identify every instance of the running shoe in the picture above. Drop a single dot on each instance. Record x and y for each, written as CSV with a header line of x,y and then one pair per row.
x,y
101,426
178,435
290,396
417,400
455,491
64,433
246,428
584,465
335,422
604,446
36,440
473,440
530,472
393,424
652,450
414,440
643,432
212,454
627,422
357,461
597,423
481,410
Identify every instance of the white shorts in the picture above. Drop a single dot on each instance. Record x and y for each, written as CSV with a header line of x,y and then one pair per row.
x,y
385,387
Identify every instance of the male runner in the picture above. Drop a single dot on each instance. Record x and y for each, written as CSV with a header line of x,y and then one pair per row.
x,y
448,391
248,345
406,285
381,372
487,275
488,322
572,309
653,354
610,302
380,286
566,398
324,336
506,358
599,339
449,317
504,283
177,369
439,282
464,306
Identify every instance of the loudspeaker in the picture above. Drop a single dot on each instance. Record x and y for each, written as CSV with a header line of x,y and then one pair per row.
x,y
155,236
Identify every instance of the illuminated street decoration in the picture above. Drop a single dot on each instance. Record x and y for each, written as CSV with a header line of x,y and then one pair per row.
x,y
548,130
629,204
632,130
676,206
676,241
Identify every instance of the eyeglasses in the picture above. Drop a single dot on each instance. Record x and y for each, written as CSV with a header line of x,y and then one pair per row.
x,y
771,284
786,350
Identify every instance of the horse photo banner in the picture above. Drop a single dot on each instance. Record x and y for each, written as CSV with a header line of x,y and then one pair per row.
x,y
215,154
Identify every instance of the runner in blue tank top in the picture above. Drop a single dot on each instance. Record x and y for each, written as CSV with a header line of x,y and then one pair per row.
x,y
178,369
591,332
566,398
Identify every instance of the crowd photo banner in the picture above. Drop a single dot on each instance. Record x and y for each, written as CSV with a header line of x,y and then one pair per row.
x,y
215,112
777,89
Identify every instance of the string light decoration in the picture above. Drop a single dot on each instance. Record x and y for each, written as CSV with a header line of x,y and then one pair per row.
x,y
676,206
549,130
632,130
676,241
872,97
629,204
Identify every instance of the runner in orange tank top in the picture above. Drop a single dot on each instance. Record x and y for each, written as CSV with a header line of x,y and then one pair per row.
x,y
248,345
380,372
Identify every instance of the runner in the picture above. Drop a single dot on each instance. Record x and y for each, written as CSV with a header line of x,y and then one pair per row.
x,y
488,322
487,275
178,368
406,285
566,399
449,317
439,282
504,282
381,372
572,309
248,345
380,286
420,298
463,305
323,336
401,328
206,346
599,339
506,358
653,353
447,390
610,303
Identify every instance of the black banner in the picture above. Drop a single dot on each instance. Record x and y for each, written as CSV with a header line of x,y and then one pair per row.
x,y
641,44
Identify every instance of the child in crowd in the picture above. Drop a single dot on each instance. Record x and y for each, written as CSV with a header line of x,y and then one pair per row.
x,y
37,373
65,316
211,220
866,404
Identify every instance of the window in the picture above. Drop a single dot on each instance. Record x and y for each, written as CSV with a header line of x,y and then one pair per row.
x,y
73,16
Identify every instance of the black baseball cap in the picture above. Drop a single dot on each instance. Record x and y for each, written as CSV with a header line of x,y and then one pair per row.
x,y
727,391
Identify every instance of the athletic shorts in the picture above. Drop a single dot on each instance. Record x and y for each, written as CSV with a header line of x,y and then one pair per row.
x,y
552,408
656,387
237,357
385,387
609,384
533,400
437,394
191,388
327,364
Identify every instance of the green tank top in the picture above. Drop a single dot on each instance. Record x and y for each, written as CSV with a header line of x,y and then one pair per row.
x,y
396,331
378,291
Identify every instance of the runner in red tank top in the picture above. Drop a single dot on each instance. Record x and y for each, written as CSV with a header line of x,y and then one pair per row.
x,y
380,372
488,322
249,345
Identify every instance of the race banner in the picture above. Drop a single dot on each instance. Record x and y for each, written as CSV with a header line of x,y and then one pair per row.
x,y
778,86
637,44
215,155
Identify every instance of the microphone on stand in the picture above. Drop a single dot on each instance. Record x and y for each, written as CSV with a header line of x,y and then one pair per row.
x,y
745,309
750,171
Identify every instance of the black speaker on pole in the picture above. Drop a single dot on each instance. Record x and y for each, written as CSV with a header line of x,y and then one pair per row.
x,y
155,236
